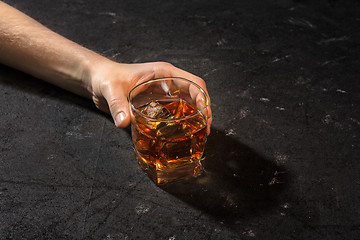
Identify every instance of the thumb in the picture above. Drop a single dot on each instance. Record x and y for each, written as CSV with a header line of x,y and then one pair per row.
x,y
119,109
115,94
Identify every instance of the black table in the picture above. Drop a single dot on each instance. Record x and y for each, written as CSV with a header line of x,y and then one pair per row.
x,y
282,159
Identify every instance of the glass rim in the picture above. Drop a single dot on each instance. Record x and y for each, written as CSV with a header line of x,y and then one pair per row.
x,y
199,111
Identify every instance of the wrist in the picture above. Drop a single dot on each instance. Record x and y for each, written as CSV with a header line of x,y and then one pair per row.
x,y
90,69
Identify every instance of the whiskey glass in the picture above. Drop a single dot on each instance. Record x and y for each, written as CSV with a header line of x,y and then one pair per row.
x,y
169,128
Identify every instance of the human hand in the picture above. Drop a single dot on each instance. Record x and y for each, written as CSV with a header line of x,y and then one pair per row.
x,y
111,83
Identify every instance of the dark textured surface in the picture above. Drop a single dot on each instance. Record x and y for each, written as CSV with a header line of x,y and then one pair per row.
x,y
283,156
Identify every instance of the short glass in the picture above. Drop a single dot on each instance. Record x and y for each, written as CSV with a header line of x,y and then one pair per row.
x,y
168,124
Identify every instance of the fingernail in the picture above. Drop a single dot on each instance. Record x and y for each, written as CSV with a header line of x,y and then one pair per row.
x,y
119,118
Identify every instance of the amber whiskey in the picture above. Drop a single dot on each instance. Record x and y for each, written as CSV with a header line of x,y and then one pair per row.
x,y
169,139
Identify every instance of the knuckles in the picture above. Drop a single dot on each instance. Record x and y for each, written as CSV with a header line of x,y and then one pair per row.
x,y
165,64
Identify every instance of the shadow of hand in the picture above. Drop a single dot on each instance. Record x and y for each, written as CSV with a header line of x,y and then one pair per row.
x,y
237,183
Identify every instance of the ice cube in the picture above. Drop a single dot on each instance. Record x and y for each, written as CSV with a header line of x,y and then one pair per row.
x,y
172,130
152,109
156,110
179,110
176,108
163,113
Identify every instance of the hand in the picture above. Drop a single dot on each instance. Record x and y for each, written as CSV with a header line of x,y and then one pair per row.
x,y
111,83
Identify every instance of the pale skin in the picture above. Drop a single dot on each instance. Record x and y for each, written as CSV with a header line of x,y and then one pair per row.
x,y
28,46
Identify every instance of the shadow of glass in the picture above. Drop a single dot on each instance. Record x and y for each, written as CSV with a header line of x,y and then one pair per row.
x,y
237,184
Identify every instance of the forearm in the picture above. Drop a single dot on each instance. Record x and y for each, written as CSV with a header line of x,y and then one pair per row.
x,y
32,48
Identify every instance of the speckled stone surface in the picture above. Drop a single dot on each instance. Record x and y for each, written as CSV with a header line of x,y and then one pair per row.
x,y
283,156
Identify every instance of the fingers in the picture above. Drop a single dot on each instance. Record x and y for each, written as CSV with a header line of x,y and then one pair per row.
x,y
115,90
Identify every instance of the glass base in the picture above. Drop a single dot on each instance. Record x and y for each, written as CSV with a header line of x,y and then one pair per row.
x,y
160,177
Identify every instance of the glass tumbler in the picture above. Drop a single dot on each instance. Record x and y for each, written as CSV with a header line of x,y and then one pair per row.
x,y
168,125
